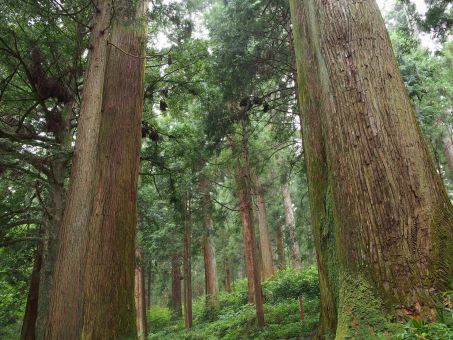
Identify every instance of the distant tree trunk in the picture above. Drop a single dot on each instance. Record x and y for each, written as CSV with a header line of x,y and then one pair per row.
x,y
93,285
187,266
140,296
228,274
447,145
265,244
382,221
280,246
291,225
244,186
149,281
31,309
175,304
208,246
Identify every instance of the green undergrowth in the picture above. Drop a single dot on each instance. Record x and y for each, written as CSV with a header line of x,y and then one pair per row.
x,y
233,318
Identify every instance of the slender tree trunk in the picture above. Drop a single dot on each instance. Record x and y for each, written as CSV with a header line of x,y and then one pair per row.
x,y
175,304
149,281
31,309
291,225
228,274
280,247
243,182
447,145
265,243
93,294
208,246
382,221
140,296
187,267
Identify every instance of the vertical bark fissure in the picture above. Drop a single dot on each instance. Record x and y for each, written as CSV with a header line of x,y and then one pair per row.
x,y
93,293
382,220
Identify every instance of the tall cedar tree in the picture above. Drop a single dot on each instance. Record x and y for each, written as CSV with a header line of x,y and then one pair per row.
x,y
93,294
383,224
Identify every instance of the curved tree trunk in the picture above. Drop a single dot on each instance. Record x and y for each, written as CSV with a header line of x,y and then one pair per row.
x,y
291,225
383,224
93,295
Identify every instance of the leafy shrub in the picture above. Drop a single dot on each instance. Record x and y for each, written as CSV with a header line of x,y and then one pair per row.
x,y
289,284
159,318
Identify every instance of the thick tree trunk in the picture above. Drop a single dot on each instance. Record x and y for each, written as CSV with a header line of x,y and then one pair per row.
x,y
187,267
291,226
208,246
244,185
175,303
140,296
31,310
280,247
265,243
93,294
382,222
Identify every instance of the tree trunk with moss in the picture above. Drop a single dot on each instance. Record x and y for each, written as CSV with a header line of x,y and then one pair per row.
x,y
210,271
291,226
382,221
93,294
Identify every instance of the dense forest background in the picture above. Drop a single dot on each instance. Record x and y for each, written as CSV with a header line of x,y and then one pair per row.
x,y
223,188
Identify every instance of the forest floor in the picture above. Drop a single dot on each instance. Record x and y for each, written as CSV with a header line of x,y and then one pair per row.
x,y
233,318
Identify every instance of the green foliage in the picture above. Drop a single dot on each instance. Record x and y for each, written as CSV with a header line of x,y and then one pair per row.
x,y
233,318
419,329
159,317
288,284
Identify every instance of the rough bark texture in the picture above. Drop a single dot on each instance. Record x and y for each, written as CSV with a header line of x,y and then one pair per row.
x,y
140,296
382,222
265,243
31,309
291,226
187,267
53,217
93,295
208,246
244,186
175,303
